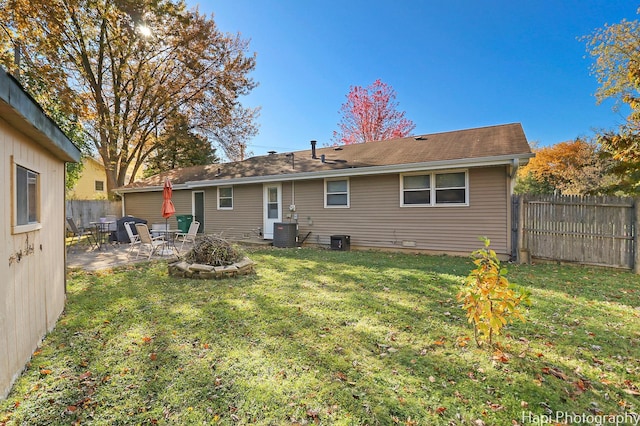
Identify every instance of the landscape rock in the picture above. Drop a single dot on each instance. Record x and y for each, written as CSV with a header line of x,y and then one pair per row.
x,y
199,271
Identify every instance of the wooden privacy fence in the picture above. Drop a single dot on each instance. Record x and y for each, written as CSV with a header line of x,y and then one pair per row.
x,y
85,211
590,230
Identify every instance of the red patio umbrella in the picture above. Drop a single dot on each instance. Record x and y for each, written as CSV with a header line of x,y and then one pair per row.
x,y
168,209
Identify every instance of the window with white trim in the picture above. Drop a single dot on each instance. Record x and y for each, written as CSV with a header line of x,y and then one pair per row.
x,y
336,193
26,196
451,188
416,190
225,198
434,189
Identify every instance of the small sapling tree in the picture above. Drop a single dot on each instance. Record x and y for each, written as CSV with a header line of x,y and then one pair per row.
x,y
487,296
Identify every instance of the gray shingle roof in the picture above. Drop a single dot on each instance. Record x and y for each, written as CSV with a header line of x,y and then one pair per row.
x,y
493,141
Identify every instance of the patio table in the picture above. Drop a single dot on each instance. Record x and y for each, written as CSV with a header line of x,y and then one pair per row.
x,y
101,233
169,241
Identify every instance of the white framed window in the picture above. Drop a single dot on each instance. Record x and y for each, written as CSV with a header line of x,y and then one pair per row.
x,y
225,198
416,189
336,193
26,193
451,188
446,188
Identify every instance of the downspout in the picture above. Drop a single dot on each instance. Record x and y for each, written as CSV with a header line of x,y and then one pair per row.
x,y
515,165
122,209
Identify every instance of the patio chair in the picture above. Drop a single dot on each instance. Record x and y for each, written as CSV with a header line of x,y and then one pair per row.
x,y
134,239
190,235
78,233
147,241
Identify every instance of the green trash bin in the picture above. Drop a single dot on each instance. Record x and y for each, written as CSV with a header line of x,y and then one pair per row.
x,y
184,222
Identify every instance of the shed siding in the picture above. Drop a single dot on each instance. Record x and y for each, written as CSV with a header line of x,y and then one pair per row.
x,y
32,291
373,220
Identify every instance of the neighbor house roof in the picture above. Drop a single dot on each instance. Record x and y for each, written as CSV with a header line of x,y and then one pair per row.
x,y
23,113
502,144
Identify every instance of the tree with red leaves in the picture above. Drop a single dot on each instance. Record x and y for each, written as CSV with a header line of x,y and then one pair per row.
x,y
370,114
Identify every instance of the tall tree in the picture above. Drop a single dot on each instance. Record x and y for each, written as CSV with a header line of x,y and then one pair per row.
x,y
371,114
570,168
616,50
125,66
179,146
68,122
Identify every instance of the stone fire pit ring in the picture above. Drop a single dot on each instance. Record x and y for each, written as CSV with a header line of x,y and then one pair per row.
x,y
183,269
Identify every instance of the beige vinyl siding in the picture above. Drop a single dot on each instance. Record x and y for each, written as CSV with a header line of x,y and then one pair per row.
x,y
32,290
243,219
239,222
376,220
148,205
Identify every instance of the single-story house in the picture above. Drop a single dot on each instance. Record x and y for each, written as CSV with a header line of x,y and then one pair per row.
x,y
32,226
433,193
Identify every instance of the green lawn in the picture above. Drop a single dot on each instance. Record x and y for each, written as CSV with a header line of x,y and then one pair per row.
x,y
327,337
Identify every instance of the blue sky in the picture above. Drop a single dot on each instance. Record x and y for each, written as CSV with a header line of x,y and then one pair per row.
x,y
454,64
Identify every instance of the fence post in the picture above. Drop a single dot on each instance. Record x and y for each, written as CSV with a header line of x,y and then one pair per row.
x,y
523,253
636,236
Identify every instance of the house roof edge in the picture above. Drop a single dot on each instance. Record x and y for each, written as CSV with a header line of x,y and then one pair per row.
x,y
356,171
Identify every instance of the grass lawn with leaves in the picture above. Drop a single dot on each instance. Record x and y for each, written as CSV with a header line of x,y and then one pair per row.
x,y
329,337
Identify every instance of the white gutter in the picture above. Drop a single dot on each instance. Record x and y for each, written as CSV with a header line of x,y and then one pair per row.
x,y
355,171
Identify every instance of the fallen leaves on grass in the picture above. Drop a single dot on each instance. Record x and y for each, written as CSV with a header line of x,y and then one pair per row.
x,y
582,385
631,388
500,357
555,372
495,406
462,341
341,376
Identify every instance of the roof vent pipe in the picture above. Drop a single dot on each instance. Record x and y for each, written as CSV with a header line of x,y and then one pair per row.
x,y
322,157
313,149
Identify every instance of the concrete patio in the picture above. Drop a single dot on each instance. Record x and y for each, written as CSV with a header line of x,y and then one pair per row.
x,y
83,256
87,258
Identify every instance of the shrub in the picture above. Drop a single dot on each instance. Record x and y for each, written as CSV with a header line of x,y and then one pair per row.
x,y
488,297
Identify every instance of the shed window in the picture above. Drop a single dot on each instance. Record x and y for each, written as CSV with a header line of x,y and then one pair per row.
x,y
337,193
99,185
225,198
434,189
27,198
